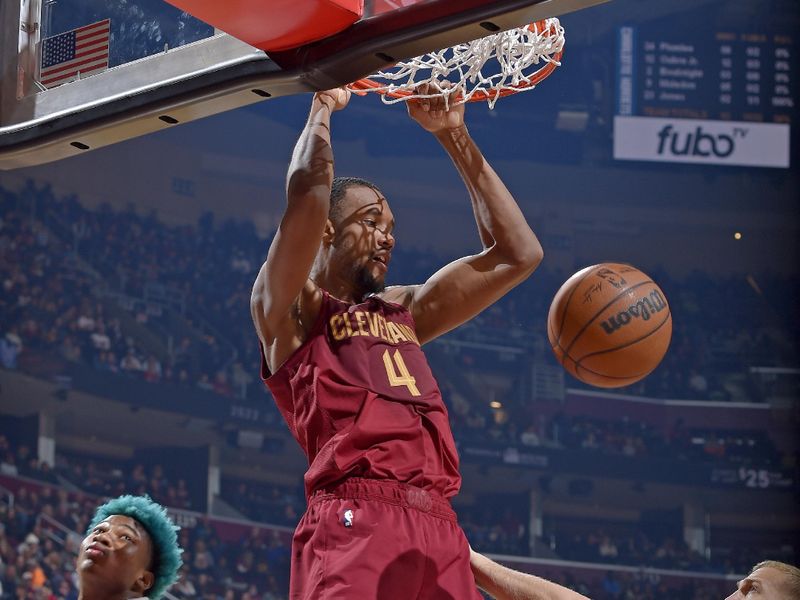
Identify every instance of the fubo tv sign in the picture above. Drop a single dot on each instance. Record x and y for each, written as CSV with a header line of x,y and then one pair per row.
x,y
735,143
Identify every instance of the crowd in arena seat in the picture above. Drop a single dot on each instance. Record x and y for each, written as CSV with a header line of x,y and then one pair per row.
x,y
21,461
637,439
53,304
491,530
505,532
53,264
502,531
615,435
636,548
35,565
101,477
113,478
208,271
266,503
56,256
49,305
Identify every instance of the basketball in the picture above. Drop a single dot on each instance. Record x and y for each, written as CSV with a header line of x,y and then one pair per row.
x,y
609,325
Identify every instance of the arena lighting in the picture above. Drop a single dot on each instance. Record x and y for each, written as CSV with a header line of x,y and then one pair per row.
x,y
496,404
737,236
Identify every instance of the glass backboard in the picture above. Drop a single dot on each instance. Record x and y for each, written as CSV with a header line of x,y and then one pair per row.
x,y
82,74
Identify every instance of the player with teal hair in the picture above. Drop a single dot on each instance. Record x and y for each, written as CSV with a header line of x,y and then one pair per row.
x,y
130,551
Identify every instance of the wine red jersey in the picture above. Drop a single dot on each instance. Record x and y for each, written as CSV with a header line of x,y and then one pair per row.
x,y
361,400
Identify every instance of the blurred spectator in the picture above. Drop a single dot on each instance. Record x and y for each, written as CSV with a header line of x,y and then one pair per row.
x,y
10,349
158,266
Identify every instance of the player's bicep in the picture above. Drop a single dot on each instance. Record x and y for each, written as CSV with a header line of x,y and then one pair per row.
x,y
282,339
460,290
287,267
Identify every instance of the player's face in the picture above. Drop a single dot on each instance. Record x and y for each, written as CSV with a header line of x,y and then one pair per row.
x,y
115,557
364,237
766,583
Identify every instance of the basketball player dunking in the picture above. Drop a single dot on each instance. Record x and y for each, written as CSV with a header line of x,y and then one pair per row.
x,y
342,357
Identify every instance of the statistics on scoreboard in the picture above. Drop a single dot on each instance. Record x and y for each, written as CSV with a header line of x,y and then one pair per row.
x,y
695,96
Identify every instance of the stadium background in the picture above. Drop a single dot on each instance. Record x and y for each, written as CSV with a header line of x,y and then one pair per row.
x,y
129,363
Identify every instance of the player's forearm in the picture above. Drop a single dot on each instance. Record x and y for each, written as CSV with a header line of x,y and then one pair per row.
x,y
501,223
503,583
310,172
294,247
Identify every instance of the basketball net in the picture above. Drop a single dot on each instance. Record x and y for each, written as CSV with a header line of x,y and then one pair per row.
x,y
481,70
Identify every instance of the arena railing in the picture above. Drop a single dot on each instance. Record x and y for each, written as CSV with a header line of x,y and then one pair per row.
x,y
59,533
554,570
779,385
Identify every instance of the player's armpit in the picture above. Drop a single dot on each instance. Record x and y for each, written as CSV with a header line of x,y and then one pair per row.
x,y
459,291
289,333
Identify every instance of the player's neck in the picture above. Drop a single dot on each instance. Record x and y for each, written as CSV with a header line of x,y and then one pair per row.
x,y
96,594
336,285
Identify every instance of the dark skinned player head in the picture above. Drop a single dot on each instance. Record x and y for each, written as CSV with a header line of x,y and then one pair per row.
x,y
130,550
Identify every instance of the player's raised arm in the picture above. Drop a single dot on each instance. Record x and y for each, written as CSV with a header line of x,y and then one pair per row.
x,y
511,251
291,256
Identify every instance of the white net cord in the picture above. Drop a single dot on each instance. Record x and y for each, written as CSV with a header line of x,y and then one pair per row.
x,y
467,72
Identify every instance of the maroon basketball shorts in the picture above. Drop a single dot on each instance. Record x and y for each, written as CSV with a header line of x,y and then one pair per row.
x,y
373,539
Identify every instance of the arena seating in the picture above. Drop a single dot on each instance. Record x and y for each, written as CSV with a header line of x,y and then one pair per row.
x,y
203,274
92,288
223,560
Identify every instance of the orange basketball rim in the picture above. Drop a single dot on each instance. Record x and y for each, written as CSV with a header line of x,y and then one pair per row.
x,y
513,56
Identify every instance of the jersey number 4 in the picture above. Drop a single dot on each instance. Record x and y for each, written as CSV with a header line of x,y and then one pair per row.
x,y
398,373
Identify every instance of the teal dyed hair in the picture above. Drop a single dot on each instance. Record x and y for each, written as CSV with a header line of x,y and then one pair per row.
x,y
153,517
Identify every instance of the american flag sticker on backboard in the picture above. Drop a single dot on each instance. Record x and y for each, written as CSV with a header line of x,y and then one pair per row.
x,y
75,54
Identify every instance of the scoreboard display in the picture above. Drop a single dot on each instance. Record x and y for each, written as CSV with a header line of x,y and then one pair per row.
x,y
704,96
722,75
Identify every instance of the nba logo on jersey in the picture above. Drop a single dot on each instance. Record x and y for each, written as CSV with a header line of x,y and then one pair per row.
x,y
347,518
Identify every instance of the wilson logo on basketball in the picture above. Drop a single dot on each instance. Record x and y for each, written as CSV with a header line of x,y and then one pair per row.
x,y
643,309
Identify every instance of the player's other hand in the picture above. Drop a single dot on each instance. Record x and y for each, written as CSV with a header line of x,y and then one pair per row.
x,y
336,99
433,114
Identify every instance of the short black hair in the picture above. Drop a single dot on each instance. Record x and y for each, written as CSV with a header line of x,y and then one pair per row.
x,y
339,188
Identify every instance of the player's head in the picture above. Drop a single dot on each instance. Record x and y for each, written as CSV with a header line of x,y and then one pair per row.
x,y
130,550
769,580
358,238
